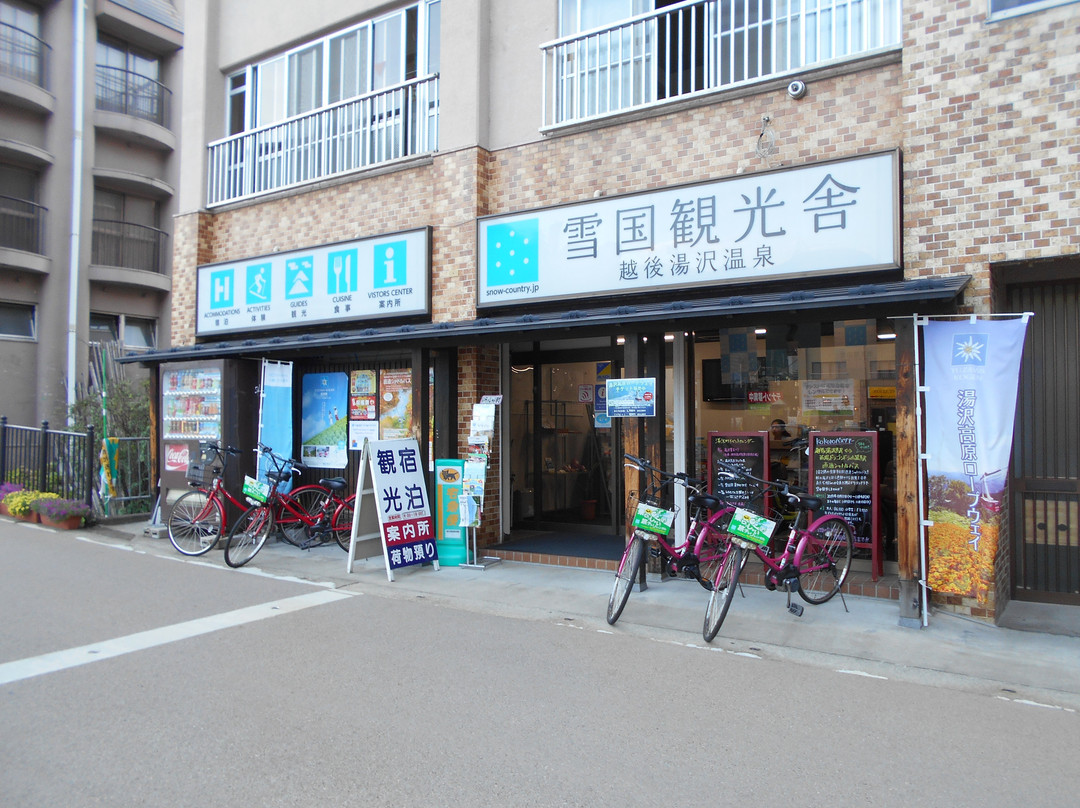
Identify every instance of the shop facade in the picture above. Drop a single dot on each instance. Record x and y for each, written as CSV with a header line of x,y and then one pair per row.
x,y
905,204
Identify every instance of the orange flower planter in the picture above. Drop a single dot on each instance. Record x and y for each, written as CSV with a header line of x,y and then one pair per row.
x,y
70,523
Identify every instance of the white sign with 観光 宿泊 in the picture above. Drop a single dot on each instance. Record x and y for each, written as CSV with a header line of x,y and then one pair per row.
x,y
824,218
400,493
370,278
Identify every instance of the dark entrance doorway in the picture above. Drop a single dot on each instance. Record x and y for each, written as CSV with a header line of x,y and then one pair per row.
x,y
561,458
1045,483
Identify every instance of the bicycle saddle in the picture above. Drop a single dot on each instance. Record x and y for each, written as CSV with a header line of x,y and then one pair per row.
x,y
706,501
335,484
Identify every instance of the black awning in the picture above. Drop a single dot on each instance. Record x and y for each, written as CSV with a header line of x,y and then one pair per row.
x,y
674,314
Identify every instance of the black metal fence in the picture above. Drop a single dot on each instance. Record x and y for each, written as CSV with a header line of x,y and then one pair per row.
x,y
69,464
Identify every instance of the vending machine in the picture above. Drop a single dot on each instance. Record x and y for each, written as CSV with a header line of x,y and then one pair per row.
x,y
211,401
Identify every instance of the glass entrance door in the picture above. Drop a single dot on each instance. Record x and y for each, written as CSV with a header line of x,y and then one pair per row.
x,y
561,462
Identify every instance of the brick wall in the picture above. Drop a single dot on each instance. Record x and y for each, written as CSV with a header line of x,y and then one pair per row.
x,y
991,139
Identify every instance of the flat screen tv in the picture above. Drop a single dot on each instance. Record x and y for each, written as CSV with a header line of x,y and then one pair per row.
x,y
713,387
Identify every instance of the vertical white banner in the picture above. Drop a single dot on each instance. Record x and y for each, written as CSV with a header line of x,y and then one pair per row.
x,y
275,414
972,369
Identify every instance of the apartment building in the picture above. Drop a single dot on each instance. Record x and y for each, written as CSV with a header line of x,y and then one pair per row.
x,y
743,204
89,167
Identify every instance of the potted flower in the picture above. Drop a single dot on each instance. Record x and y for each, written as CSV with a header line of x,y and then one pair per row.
x,y
19,504
66,514
5,489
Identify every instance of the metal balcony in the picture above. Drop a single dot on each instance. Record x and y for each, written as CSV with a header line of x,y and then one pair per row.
x,y
702,46
23,56
133,246
401,121
118,90
22,224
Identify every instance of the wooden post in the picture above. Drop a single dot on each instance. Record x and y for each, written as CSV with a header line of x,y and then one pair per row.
x,y
632,428
421,409
908,469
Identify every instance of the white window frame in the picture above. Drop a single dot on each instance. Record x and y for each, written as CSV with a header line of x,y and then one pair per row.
x,y
260,110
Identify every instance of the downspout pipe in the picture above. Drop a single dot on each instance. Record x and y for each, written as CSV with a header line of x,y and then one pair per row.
x,y
78,81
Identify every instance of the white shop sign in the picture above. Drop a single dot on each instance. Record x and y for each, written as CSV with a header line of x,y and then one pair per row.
x,y
384,276
825,218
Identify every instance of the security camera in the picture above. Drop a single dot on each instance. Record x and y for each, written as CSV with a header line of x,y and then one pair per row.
x,y
797,89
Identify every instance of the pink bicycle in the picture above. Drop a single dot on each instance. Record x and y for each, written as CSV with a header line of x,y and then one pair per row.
x,y
814,563
698,556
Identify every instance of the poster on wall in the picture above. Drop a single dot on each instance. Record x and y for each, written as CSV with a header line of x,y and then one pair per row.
x,y
631,398
972,374
828,397
601,419
324,420
363,396
395,404
359,431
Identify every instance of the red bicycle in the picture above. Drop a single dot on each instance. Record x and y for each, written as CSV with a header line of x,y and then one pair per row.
x,y
198,519
331,520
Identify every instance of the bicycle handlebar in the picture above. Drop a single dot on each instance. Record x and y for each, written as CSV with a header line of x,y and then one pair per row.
x,y
213,447
281,462
680,477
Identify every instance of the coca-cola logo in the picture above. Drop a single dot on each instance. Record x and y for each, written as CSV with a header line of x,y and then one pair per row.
x,y
176,457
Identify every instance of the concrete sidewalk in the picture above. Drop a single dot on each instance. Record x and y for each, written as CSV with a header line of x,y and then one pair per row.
x,y
865,639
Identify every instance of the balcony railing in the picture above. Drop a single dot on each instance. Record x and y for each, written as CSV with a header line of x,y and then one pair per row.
x,y
123,244
23,55
362,132
701,46
128,93
22,224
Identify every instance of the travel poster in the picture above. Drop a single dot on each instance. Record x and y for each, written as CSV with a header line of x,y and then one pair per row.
x,y
395,404
324,420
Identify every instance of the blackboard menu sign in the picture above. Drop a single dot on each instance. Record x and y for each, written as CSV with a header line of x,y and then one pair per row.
x,y
843,470
745,450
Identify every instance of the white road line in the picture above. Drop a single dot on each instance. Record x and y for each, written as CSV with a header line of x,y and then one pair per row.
x,y
73,657
1031,703
865,674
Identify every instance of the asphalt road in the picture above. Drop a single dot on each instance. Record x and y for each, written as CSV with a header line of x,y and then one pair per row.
x,y
130,679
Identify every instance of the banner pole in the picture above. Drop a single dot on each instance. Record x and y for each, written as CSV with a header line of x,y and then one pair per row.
x,y
920,433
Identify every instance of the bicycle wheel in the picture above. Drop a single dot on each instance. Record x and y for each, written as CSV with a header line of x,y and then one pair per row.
x,y
625,577
727,580
195,523
713,544
342,528
309,499
248,535
825,560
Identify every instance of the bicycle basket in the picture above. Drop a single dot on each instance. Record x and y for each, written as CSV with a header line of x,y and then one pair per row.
x,y
651,517
751,527
196,473
255,490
